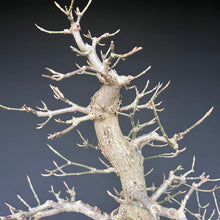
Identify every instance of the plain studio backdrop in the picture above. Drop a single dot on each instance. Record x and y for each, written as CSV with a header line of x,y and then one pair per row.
x,y
180,41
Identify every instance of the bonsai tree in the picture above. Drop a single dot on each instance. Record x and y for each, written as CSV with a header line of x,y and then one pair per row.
x,y
123,152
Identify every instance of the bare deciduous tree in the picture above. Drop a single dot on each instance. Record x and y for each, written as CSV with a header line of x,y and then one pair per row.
x,y
137,200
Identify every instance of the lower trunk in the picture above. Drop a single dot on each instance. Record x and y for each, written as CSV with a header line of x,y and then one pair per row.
x,y
124,156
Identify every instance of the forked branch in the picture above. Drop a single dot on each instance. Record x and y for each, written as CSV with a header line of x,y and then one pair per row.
x,y
51,208
59,76
45,112
60,172
75,121
150,138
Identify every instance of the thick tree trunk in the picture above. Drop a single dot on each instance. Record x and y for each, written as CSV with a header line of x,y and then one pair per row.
x,y
124,155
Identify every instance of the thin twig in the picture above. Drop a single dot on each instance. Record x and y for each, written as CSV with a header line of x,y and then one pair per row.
x,y
59,76
106,35
91,170
182,134
45,112
166,155
173,145
74,123
216,203
122,56
33,191
24,202
12,209
61,9
85,142
65,31
87,6
149,172
142,73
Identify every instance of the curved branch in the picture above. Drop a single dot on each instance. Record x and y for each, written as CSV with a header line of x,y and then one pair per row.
x,y
65,31
96,40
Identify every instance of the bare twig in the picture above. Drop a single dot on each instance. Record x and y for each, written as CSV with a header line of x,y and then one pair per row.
x,y
85,142
74,123
172,144
60,8
65,31
24,202
110,49
12,209
141,95
59,76
59,96
147,139
216,203
45,112
33,191
138,127
149,172
212,214
91,170
71,192
87,6
191,190
167,183
102,37
180,135
122,56
142,73
166,155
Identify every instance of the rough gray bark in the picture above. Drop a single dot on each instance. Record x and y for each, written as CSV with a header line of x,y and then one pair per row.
x,y
125,156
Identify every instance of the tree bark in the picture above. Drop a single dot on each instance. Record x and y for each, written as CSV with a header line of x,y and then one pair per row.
x,y
124,155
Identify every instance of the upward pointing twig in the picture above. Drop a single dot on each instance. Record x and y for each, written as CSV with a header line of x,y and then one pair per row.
x,y
33,191
89,169
61,9
198,122
142,73
71,6
24,202
87,6
161,127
